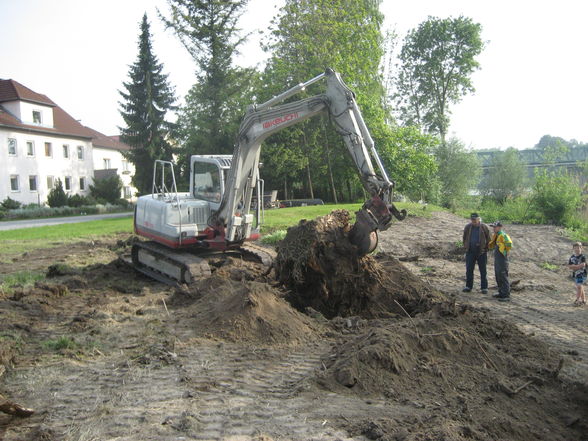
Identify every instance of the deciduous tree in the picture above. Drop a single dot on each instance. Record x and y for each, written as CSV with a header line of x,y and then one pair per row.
x,y
309,36
458,172
436,62
505,178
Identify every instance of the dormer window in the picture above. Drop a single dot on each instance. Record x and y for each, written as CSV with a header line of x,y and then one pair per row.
x,y
37,117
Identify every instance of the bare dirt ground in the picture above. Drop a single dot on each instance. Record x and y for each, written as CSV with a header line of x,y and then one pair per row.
x,y
103,353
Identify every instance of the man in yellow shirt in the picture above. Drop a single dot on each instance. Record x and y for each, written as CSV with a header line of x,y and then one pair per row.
x,y
501,244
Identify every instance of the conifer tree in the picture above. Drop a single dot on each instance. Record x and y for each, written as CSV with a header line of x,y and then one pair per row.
x,y
209,31
147,98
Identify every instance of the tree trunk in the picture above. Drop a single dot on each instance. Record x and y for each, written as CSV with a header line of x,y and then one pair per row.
x,y
285,189
329,168
309,181
310,189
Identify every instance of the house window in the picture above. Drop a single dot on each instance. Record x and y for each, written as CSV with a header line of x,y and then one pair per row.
x,y
48,149
12,146
106,162
50,182
82,183
81,152
68,182
30,148
37,117
125,165
65,151
127,192
14,183
33,183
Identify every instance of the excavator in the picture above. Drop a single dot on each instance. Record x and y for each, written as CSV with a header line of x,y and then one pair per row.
x,y
217,214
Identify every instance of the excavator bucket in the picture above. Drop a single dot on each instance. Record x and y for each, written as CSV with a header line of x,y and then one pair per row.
x,y
363,237
374,215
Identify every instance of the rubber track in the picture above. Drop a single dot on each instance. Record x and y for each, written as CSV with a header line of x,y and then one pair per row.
x,y
195,266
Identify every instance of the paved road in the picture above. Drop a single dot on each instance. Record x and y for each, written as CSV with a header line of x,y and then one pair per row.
x,y
28,223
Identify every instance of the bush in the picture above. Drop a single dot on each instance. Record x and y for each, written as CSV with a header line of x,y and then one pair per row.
x,y
557,197
35,213
107,189
10,204
57,197
78,200
519,210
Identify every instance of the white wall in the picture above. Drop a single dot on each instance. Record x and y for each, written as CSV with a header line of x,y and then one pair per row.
x,y
42,166
24,112
116,161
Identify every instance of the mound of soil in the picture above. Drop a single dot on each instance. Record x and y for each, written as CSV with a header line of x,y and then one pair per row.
x,y
481,378
242,311
322,269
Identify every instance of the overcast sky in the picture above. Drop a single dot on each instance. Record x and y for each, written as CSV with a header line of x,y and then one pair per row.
x,y
532,80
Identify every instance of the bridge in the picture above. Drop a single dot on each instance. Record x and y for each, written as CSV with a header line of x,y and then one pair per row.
x,y
534,159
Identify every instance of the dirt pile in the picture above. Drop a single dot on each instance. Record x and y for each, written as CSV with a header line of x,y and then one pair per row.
x,y
247,311
466,376
322,269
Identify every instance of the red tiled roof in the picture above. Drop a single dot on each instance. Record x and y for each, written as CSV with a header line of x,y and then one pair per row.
x,y
11,90
100,140
63,123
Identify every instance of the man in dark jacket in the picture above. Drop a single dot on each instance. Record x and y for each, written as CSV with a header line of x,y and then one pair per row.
x,y
476,237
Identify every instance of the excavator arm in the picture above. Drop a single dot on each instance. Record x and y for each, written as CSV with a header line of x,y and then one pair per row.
x,y
270,117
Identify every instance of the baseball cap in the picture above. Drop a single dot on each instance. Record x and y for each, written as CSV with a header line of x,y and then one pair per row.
x,y
474,216
496,224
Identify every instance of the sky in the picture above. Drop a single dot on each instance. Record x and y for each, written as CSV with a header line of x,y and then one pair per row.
x,y
532,81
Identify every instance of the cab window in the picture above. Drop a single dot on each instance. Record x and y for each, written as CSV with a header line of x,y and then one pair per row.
x,y
207,182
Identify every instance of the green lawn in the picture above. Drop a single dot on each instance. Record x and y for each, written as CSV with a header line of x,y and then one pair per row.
x,y
18,241
25,239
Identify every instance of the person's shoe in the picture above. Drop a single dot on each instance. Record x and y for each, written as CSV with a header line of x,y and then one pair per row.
x,y
504,298
466,289
496,295
484,291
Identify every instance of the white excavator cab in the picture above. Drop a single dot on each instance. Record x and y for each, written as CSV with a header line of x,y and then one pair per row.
x,y
208,177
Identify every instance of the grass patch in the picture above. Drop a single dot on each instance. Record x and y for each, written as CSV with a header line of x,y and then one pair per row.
x,y
61,343
18,241
281,219
22,278
274,238
549,266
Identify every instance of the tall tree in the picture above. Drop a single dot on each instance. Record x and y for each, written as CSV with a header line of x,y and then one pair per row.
x,y
505,178
147,97
208,30
437,60
307,37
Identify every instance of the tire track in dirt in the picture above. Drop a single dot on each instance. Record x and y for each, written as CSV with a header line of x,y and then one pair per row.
x,y
209,391
551,320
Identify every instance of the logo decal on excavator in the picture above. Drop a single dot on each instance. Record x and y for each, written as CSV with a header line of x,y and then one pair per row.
x,y
280,120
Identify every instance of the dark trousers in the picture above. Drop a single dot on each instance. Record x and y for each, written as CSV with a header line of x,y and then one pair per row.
x,y
471,260
501,273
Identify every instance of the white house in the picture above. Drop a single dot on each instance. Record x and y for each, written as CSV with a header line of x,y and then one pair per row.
x,y
40,143
107,154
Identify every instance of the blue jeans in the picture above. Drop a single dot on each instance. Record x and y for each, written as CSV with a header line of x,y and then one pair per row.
x,y
471,260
